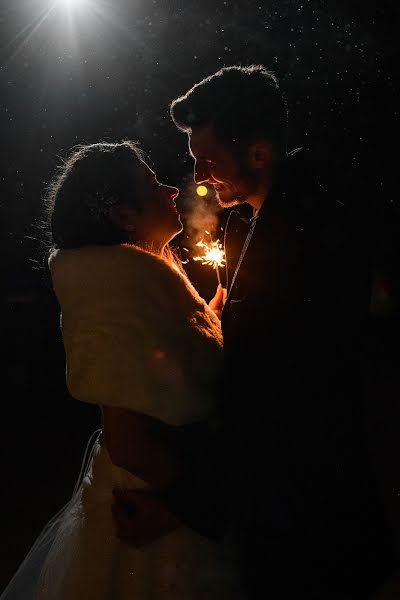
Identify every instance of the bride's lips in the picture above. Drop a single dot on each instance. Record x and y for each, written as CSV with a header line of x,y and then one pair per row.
x,y
171,201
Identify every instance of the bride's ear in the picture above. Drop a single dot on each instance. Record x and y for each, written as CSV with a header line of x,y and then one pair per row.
x,y
123,216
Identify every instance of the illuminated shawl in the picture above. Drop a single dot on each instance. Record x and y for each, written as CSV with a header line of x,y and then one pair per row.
x,y
136,333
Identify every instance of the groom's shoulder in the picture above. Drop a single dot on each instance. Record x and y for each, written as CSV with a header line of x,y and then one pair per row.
x,y
324,216
298,189
310,191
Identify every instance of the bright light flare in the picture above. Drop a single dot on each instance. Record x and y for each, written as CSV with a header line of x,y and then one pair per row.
x,y
74,6
72,3
214,255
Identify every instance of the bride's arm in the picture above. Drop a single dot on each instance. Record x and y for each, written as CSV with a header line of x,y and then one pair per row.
x,y
159,454
181,465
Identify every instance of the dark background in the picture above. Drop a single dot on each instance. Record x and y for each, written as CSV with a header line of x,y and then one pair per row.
x,y
108,71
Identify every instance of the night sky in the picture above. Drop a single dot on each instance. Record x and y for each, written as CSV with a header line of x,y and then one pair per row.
x,y
107,71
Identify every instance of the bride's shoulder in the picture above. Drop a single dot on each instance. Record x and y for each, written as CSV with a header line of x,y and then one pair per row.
x,y
123,267
92,260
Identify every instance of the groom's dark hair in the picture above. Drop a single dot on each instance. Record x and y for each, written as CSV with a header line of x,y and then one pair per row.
x,y
243,104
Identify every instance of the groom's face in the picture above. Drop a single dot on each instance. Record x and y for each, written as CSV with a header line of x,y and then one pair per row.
x,y
217,164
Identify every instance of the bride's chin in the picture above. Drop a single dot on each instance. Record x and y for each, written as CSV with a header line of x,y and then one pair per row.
x,y
176,231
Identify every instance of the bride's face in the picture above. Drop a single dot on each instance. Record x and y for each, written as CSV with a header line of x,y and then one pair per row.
x,y
158,220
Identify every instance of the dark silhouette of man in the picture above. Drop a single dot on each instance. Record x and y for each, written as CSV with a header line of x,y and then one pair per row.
x,y
289,470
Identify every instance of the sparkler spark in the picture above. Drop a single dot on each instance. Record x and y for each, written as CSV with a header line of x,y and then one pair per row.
x,y
213,256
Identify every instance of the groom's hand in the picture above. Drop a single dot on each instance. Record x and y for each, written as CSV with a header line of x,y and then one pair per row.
x,y
140,518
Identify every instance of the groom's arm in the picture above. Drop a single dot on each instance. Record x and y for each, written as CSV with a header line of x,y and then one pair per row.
x,y
199,498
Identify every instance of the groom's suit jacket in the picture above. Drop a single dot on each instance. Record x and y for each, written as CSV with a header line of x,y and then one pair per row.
x,y
308,514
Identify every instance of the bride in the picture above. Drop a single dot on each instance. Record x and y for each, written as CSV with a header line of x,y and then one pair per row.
x,y
145,347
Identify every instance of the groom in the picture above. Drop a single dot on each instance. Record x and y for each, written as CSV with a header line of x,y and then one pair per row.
x,y
293,474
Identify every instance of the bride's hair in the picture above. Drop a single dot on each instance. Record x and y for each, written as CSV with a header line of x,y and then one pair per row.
x,y
77,202
91,180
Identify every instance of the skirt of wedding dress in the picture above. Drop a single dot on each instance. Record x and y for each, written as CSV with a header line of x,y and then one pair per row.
x,y
78,557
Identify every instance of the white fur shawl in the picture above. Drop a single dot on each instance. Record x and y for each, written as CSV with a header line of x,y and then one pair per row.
x,y
136,333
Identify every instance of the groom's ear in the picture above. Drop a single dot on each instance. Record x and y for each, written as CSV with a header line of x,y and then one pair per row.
x,y
259,154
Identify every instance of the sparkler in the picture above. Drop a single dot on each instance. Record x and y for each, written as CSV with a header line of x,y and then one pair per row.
x,y
214,254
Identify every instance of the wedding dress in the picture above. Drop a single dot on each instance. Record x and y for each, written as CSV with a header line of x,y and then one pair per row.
x,y
77,556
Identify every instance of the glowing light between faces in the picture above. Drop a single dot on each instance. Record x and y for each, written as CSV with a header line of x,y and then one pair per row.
x,y
201,190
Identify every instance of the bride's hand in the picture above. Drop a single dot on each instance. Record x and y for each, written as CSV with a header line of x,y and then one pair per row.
x,y
217,302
